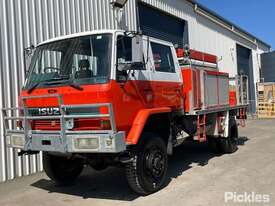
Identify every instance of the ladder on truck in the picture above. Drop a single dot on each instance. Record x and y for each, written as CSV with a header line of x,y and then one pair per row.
x,y
201,124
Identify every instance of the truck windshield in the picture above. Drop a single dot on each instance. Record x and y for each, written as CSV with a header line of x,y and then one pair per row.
x,y
83,60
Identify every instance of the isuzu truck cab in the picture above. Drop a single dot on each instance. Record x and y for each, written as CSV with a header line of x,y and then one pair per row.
x,y
117,98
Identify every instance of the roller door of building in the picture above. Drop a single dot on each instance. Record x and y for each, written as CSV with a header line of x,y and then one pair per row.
x,y
245,67
268,66
158,24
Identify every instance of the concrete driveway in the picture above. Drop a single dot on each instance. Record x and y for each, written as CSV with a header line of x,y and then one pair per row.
x,y
196,177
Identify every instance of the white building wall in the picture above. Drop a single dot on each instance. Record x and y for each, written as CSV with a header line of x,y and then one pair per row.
x,y
207,36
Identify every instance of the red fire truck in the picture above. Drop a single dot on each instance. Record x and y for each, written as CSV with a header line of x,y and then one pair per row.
x,y
118,98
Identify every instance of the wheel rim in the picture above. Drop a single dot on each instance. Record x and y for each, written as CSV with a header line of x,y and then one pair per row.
x,y
154,164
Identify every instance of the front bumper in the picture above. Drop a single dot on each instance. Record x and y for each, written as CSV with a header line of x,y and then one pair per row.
x,y
72,143
64,140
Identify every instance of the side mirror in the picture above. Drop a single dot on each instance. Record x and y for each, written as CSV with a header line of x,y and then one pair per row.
x,y
28,53
29,50
131,57
137,53
137,49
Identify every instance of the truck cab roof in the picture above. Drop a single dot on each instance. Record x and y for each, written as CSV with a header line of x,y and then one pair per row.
x,y
79,34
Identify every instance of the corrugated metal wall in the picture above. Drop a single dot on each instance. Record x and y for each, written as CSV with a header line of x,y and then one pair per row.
x,y
26,22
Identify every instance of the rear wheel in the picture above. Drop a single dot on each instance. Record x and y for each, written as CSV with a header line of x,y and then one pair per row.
x,y
63,170
229,145
146,174
214,145
226,145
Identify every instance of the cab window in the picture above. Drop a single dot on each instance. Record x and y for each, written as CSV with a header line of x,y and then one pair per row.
x,y
163,58
124,55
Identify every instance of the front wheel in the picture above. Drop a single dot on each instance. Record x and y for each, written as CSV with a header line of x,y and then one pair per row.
x,y
146,174
63,170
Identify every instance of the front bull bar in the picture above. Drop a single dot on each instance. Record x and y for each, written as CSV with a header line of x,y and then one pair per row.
x,y
63,140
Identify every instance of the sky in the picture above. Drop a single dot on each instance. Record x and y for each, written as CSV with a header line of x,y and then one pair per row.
x,y
254,16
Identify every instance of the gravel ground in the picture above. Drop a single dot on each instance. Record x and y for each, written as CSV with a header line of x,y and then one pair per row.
x,y
196,177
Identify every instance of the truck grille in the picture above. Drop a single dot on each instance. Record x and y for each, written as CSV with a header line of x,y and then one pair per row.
x,y
79,124
46,125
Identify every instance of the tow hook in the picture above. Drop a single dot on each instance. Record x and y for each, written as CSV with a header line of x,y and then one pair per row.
x,y
126,158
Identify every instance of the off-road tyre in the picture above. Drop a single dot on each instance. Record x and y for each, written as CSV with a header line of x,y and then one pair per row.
x,y
62,170
230,145
99,165
214,144
146,174
227,145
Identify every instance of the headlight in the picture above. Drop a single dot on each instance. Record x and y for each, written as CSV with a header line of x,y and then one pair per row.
x,y
86,143
17,141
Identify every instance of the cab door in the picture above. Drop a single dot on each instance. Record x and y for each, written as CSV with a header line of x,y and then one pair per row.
x,y
132,88
166,78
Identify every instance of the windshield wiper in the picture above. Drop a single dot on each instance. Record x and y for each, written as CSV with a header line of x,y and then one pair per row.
x,y
60,78
64,77
76,86
70,83
30,90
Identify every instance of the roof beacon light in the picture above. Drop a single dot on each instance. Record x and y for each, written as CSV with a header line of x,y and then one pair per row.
x,y
119,3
